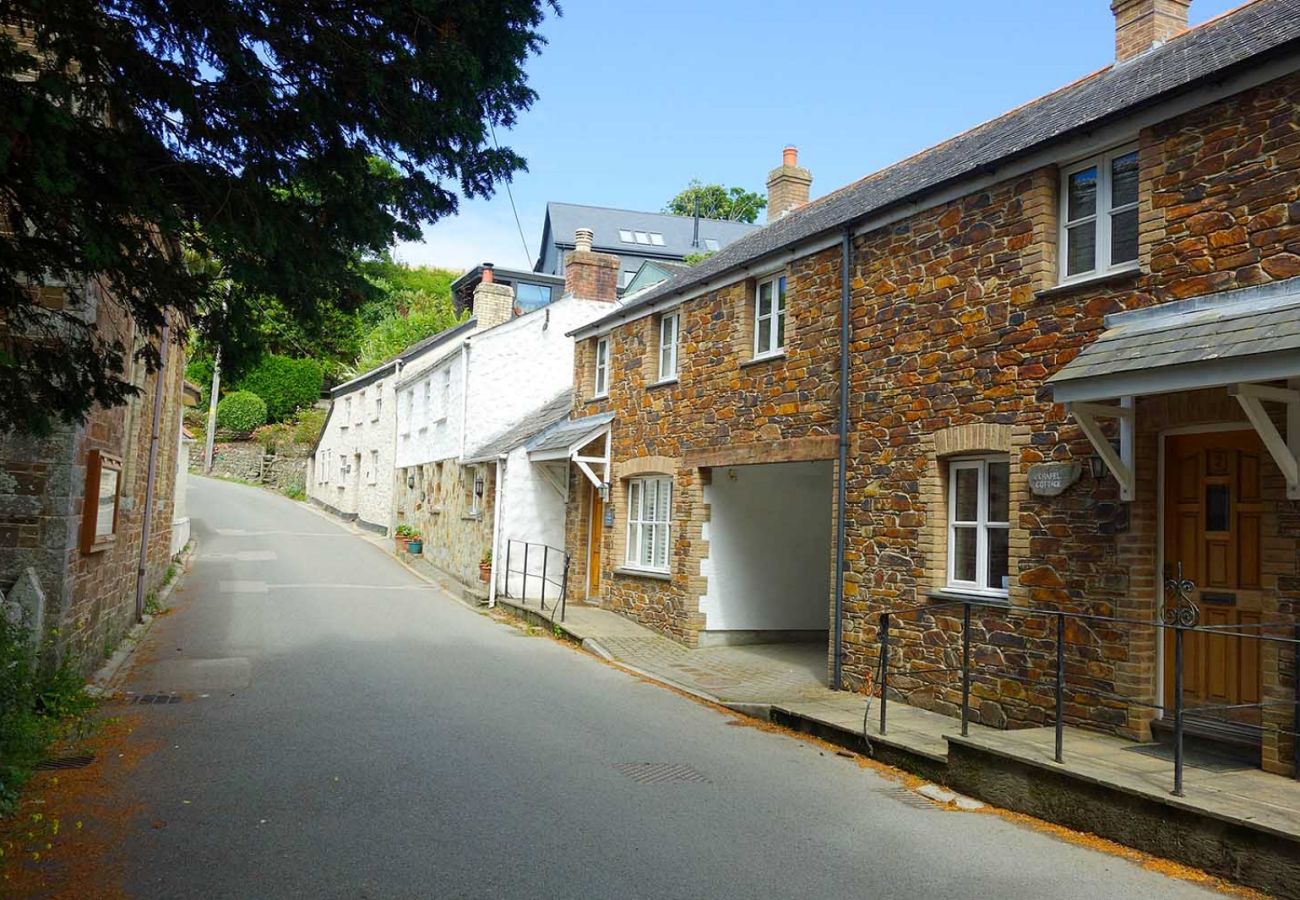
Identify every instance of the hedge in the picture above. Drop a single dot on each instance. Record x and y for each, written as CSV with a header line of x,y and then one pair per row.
x,y
241,412
286,384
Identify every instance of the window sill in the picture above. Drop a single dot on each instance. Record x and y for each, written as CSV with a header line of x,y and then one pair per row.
x,y
651,574
471,517
950,595
1106,279
599,398
663,383
759,360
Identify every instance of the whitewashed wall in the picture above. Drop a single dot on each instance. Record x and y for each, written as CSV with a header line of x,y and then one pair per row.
x,y
351,472
430,430
531,510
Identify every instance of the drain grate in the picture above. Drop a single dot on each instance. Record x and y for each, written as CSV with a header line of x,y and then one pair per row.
x,y
154,698
661,773
908,797
67,762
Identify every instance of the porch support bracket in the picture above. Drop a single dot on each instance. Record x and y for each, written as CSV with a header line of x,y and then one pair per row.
x,y
1285,452
1119,463
560,484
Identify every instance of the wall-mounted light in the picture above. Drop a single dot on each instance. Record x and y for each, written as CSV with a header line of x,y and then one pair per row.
x,y
478,486
604,492
1096,466
410,481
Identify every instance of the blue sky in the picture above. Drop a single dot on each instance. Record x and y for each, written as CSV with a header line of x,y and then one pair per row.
x,y
637,98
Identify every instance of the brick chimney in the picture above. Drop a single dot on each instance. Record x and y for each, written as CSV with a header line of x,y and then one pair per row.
x,y
1143,24
587,274
787,185
493,303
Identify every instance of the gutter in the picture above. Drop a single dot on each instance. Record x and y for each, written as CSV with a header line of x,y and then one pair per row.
x,y
841,491
152,477
496,531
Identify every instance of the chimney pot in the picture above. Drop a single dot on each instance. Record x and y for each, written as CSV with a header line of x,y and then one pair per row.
x,y
487,277
790,156
582,239
1143,24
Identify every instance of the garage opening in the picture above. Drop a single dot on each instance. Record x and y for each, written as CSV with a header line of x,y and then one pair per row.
x,y
769,536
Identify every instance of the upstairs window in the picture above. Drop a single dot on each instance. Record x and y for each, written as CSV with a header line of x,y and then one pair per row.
x,y
347,412
1099,215
978,525
649,517
601,384
769,317
669,327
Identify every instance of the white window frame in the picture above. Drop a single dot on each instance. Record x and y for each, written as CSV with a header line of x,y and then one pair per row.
x,y
444,394
601,375
661,539
407,399
668,348
379,401
1102,264
981,524
374,467
347,414
776,316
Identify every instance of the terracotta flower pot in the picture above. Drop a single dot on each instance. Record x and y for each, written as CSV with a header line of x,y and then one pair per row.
x,y
402,543
484,572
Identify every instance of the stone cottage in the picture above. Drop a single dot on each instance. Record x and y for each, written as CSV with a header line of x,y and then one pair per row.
x,y
87,512
1047,365
465,480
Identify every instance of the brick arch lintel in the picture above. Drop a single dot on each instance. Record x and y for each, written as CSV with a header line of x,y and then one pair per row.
x,y
646,465
978,437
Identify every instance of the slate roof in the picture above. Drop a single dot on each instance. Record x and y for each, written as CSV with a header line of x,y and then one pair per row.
x,y
526,429
1228,325
1238,40
563,219
562,435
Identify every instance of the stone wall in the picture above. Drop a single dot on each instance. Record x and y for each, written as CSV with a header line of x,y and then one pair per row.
x,y
957,322
90,597
437,499
248,461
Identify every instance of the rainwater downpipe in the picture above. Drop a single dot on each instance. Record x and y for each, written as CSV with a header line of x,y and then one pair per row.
x,y
152,475
502,463
837,666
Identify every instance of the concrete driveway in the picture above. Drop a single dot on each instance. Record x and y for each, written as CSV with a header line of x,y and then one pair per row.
x,y
348,731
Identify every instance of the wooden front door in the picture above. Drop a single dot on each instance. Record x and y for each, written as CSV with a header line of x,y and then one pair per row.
x,y
1213,511
595,537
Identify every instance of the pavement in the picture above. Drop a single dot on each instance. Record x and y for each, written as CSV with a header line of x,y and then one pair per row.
x,y
345,729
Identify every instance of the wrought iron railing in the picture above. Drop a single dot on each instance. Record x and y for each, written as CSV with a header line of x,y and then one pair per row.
x,y
1046,653
536,566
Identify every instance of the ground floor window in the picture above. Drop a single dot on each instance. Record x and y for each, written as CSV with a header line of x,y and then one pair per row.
x,y
978,524
649,512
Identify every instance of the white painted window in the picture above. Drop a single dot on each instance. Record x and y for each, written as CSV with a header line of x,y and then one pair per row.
x,y
347,412
426,402
374,467
1099,215
444,394
649,518
769,317
343,469
602,367
361,408
978,524
323,467
379,401
669,328
408,409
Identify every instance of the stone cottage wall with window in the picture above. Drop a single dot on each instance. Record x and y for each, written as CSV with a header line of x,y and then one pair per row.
x,y
961,314
743,374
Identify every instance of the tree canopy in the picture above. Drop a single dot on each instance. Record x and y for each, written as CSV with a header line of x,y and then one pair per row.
x,y
284,139
717,202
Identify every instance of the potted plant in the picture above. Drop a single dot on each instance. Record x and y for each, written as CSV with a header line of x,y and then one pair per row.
x,y
415,546
485,567
405,534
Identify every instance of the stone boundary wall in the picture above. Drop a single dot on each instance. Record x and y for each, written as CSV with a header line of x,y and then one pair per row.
x,y
246,461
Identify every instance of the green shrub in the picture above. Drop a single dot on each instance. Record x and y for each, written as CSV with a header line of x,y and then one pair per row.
x,y
285,384
40,703
296,488
272,436
241,412
308,426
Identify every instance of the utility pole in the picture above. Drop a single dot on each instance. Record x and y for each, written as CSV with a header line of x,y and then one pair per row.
x,y
212,413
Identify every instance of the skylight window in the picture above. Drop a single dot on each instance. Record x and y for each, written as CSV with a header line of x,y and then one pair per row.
x,y
642,237
625,235
656,238
711,245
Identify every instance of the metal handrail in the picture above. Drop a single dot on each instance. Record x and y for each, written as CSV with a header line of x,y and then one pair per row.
x,y
1181,619
544,576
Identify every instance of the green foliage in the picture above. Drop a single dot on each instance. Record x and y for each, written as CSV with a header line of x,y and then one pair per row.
x,y
407,531
694,259
287,140
296,489
272,436
717,202
425,315
285,384
40,703
241,412
198,372
308,426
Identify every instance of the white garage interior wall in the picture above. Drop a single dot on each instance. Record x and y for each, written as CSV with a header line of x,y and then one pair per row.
x,y
769,535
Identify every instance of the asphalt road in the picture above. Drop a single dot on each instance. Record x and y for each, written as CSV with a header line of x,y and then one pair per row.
x,y
349,731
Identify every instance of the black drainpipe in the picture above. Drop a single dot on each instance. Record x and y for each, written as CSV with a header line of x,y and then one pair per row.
x,y
837,677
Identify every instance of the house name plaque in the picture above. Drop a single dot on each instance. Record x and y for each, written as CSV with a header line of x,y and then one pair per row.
x,y
1051,479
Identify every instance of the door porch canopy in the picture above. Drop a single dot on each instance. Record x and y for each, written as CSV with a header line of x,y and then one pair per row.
x,y
1246,340
564,442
